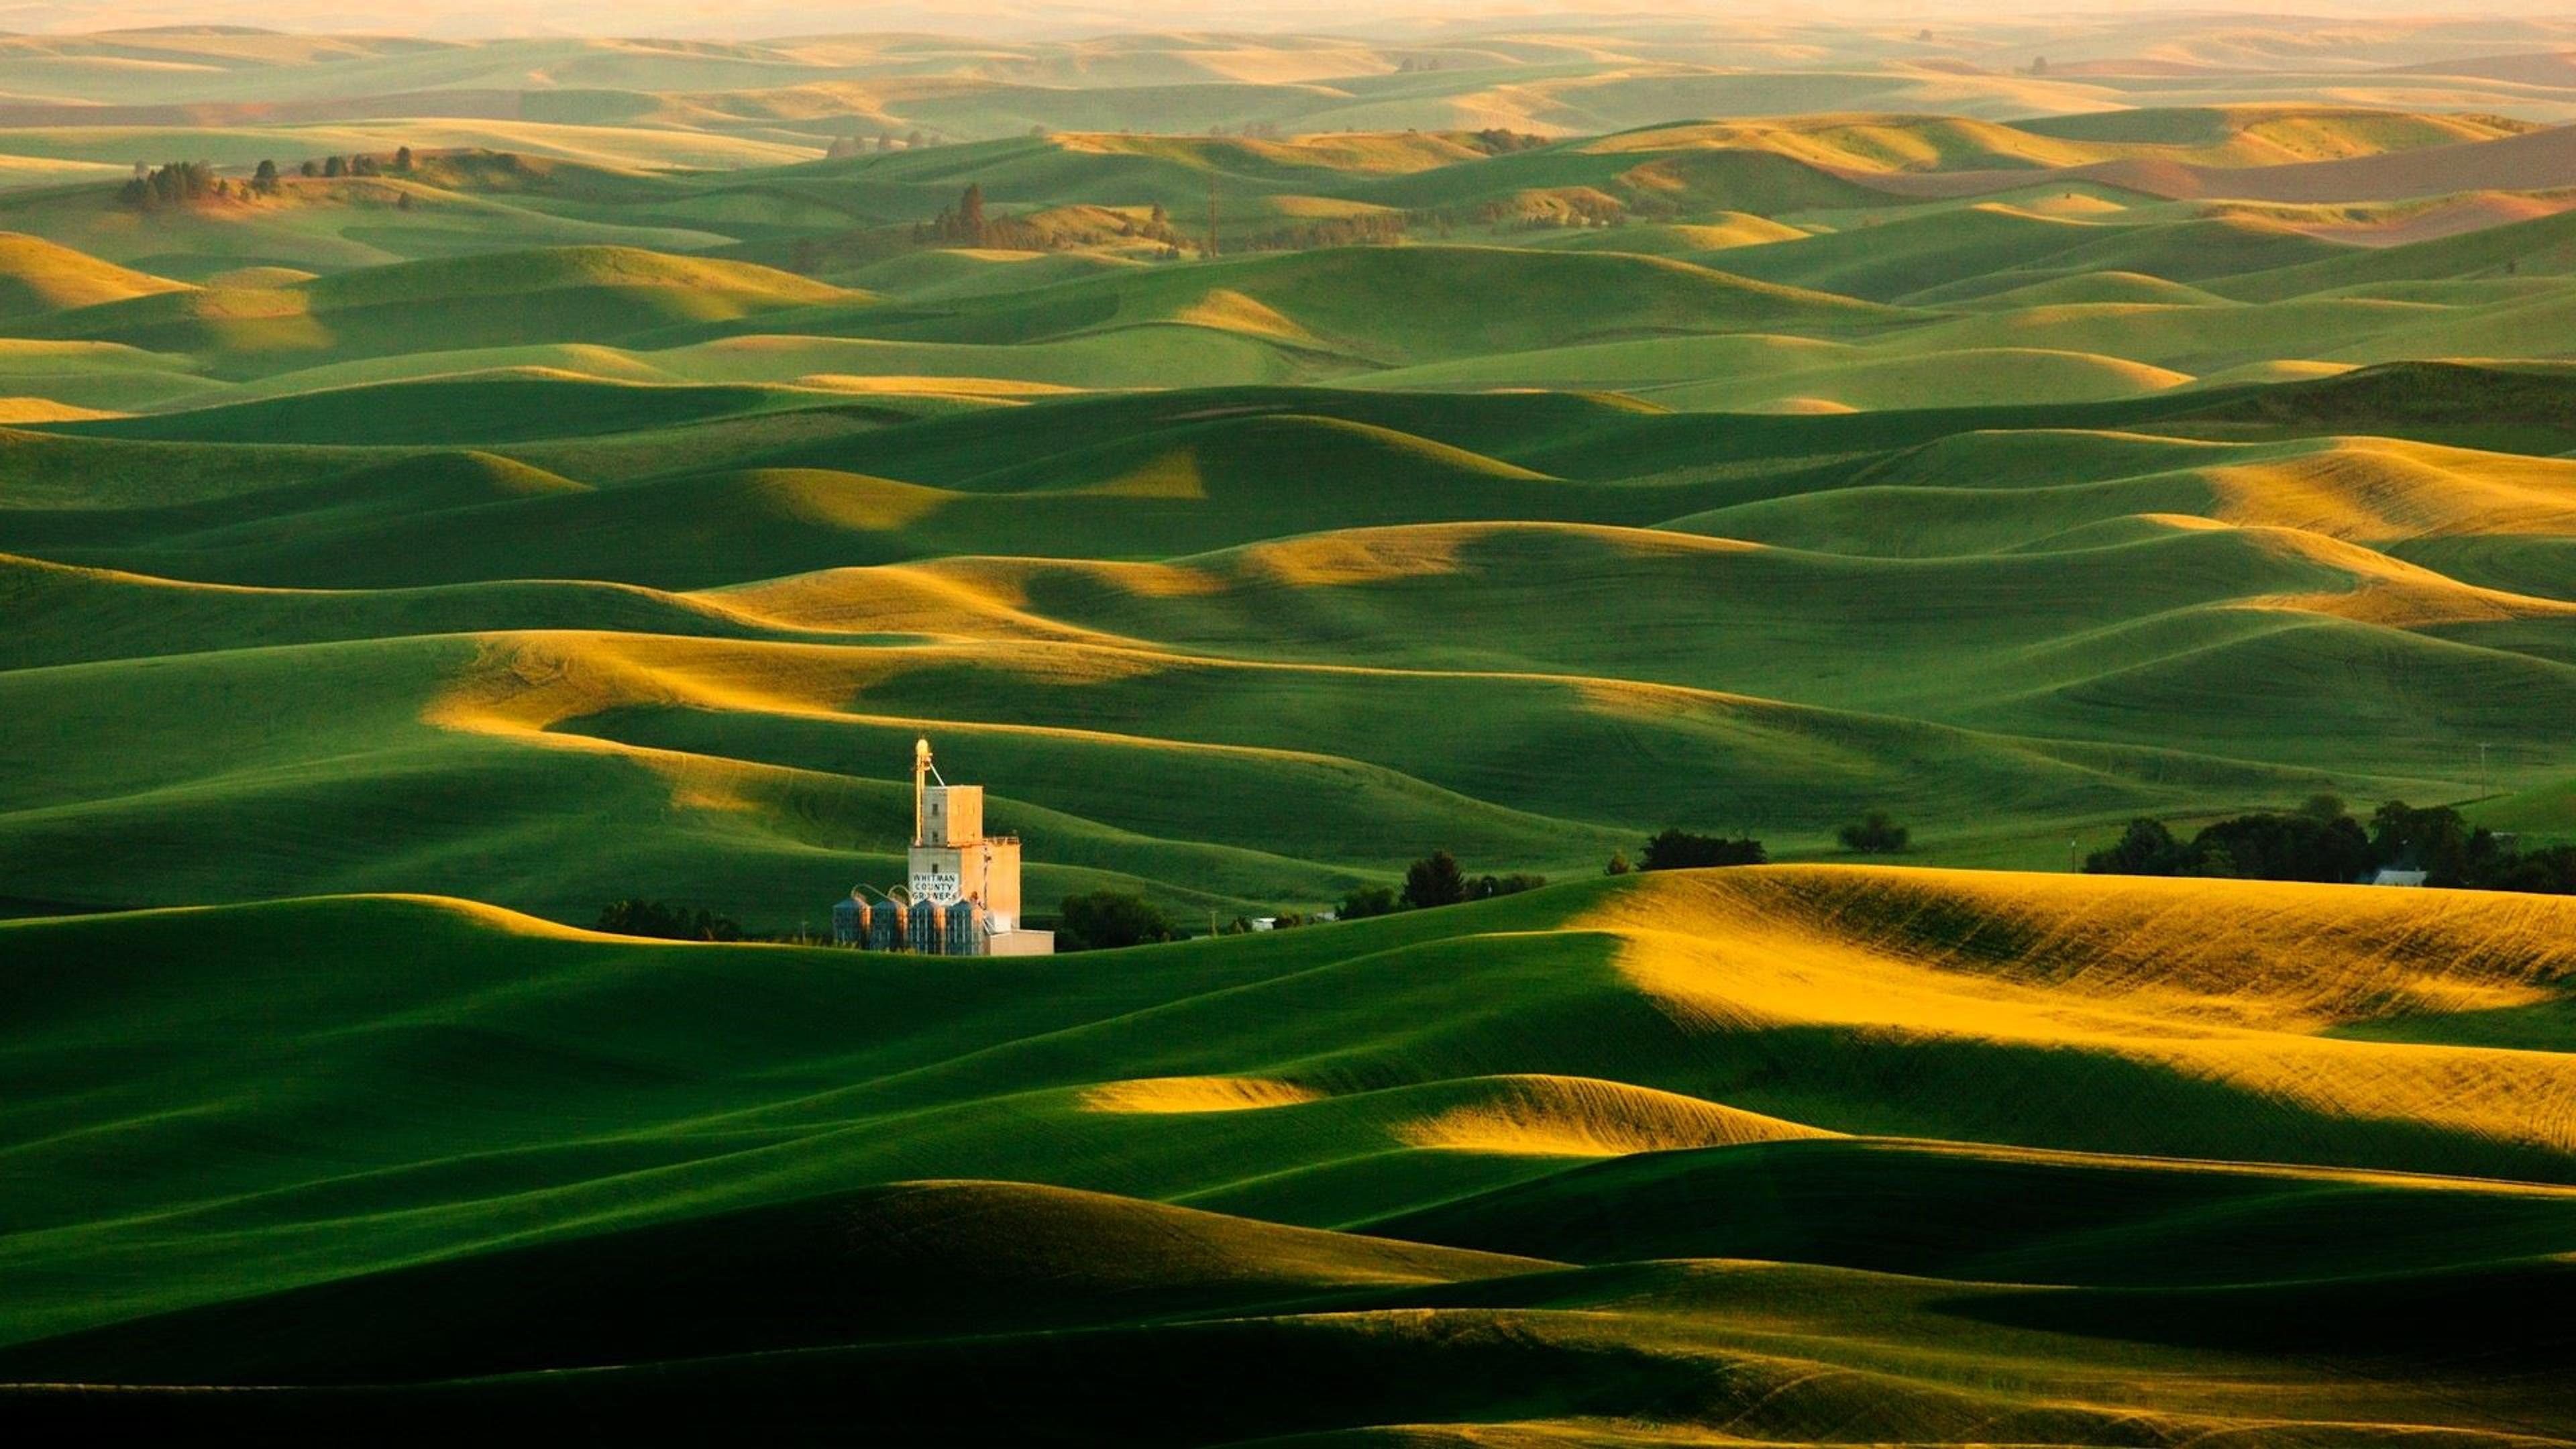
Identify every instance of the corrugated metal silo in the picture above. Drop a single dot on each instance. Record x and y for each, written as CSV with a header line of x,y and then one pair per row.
x,y
926,932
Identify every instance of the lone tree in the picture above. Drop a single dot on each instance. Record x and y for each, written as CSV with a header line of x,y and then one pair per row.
x,y
1434,880
264,179
402,159
1874,833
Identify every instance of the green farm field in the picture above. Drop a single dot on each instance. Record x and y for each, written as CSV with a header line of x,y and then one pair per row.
x,y
449,484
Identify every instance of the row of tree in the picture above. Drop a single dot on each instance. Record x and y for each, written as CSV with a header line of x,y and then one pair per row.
x,y
1683,850
360,164
844,147
665,921
181,182
1434,880
1874,833
1107,920
2321,841
969,224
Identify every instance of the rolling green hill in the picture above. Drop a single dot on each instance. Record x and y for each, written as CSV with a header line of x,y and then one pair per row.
x,y
1264,459
1459,1163
575,294
38,276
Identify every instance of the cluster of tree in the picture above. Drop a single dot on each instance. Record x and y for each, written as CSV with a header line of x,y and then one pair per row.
x,y
962,225
969,224
1875,833
360,164
1409,65
665,921
1564,211
1250,130
1383,228
1498,141
1434,880
2320,841
181,182
1682,850
1105,920
844,147
1157,226
1284,921
1580,214
176,184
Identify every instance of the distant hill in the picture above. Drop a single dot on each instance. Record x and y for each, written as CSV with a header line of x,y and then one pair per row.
x,y
37,276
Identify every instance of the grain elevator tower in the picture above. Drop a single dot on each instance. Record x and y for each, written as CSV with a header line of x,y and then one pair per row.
x,y
955,865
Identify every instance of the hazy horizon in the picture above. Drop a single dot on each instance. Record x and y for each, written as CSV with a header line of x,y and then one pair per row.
x,y
777,19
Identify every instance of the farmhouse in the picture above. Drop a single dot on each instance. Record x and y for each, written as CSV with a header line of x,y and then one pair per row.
x,y
961,890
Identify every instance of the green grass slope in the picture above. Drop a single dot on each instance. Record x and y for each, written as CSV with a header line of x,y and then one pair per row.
x,y
2012,635
38,276
601,507
1456,1164
571,294
1395,304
